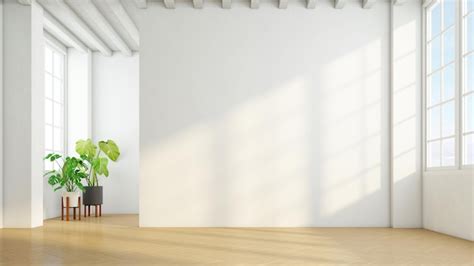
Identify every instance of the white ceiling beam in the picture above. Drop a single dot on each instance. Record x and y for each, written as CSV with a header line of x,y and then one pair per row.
x,y
170,4
24,2
368,3
283,4
254,4
55,28
311,4
140,3
116,8
429,3
227,4
198,4
76,24
399,2
339,4
92,14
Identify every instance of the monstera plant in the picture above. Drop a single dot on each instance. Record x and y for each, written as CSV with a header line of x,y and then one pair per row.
x,y
97,158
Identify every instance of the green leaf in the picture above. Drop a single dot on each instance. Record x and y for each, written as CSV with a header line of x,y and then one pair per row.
x,y
86,148
100,166
110,148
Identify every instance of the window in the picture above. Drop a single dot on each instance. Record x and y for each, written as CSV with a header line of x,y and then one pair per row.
x,y
449,128
54,87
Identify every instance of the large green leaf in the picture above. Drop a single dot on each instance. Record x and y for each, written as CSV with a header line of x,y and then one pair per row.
x,y
86,148
100,166
110,148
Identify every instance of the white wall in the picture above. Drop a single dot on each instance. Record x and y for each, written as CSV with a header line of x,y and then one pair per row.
x,y
115,90
264,117
1,113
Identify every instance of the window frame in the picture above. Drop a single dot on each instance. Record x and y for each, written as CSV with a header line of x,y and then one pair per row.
x,y
459,86
57,47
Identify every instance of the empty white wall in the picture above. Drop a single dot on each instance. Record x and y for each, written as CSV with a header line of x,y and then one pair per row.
x,y
115,90
1,113
264,117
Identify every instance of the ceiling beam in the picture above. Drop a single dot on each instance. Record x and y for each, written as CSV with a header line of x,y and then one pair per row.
x,y
429,3
339,4
55,28
254,4
399,2
283,4
116,8
170,4
368,3
24,2
311,4
140,3
76,24
88,10
198,4
227,4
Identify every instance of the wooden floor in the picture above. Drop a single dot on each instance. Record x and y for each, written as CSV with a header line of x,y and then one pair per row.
x,y
116,240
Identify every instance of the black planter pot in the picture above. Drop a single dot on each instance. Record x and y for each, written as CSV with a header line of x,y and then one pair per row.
x,y
93,196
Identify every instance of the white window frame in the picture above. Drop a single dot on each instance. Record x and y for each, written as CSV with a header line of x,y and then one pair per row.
x,y
58,47
459,88
464,55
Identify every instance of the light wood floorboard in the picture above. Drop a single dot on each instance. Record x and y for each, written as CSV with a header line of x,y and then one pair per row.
x,y
116,240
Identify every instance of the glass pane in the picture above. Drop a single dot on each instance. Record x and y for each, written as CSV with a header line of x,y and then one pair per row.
x,y
449,48
48,60
58,115
468,113
449,13
435,48
435,20
434,154
58,65
58,90
449,82
468,149
448,152
48,86
434,89
48,111
434,123
469,73
449,119
48,137
58,139
470,33
470,5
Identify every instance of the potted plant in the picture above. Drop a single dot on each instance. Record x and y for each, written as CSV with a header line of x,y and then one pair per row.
x,y
97,160
69,175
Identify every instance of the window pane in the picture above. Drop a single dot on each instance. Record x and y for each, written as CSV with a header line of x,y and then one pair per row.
x,y
435,89
448,152
434,154
468,149
48,85
470,5
449,46
48,60
58,65
48,137
449,13
435,20
468,113
449,82
48,111
58,90
435,48
469,73
434,124
448,119
58,139
58,115
470,33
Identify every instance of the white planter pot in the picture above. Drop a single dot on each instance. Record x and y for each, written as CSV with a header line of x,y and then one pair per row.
x,y
73,198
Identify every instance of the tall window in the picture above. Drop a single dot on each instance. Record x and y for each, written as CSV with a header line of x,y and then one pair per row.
x,y
448,129
54,84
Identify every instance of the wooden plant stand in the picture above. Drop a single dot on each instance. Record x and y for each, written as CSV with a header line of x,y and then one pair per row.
x,y
98,210
67,209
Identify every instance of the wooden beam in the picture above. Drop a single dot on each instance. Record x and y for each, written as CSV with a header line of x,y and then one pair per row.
x,y
339,4
90,12
170,4
254,4
198,4
55,28
227,4
283,4
116,8
310,4
368,3
141,3
398,2
75,24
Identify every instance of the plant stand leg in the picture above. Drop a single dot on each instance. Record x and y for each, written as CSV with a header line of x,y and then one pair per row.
x,y
88,210
62,209
96,213
67,208
79,204
100,210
